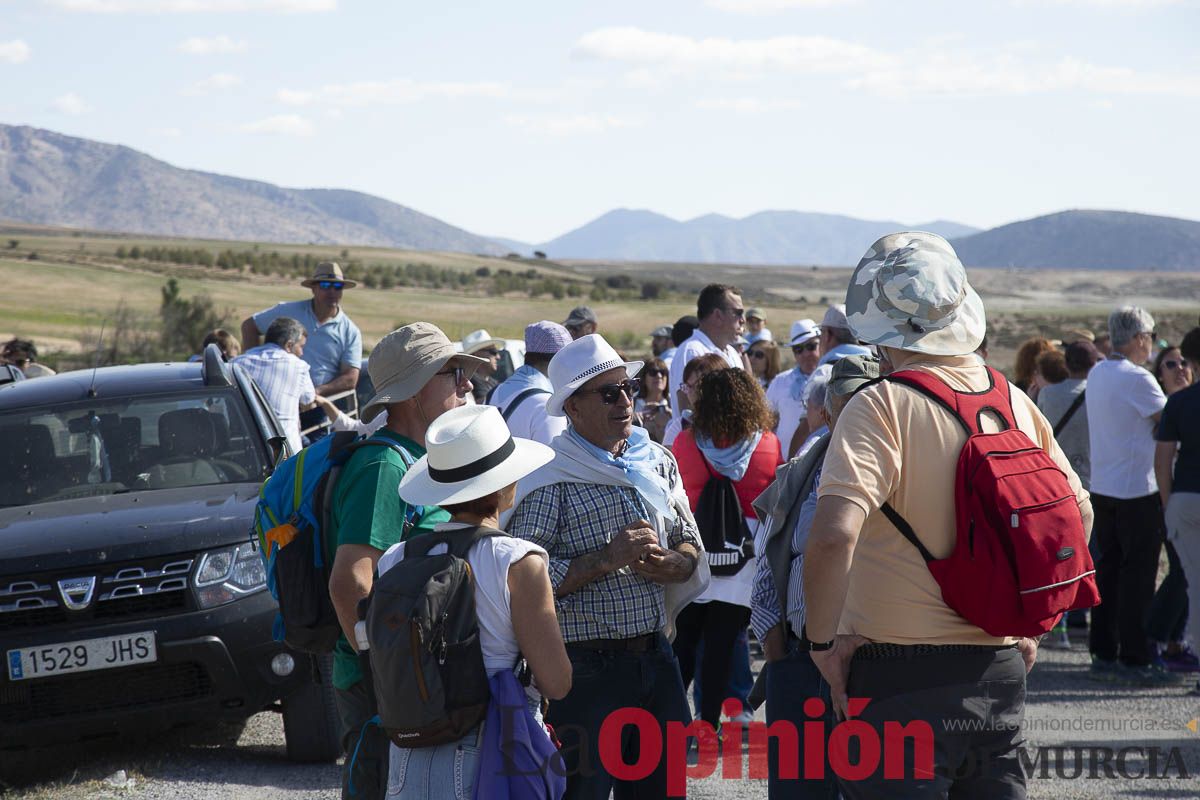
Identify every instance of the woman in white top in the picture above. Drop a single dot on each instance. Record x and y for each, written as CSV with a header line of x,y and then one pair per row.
x,y
513,597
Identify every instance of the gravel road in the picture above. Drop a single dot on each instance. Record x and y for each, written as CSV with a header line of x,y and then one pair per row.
x,y
1064,709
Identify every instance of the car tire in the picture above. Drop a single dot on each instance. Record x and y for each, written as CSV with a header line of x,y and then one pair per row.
x,y
311,725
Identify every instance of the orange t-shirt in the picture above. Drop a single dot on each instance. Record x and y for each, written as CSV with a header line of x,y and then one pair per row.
x,y
893,444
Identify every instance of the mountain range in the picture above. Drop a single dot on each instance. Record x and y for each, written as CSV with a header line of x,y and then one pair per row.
x,y
52,179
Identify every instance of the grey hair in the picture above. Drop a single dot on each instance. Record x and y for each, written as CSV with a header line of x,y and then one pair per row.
x,y
1126,322
841,335
285,331
817,388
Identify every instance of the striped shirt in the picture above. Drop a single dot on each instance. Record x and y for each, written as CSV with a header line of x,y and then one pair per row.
x,y
764,600
573,519
285,383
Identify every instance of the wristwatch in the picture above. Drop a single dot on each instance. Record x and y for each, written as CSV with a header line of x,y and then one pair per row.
x,y
808,644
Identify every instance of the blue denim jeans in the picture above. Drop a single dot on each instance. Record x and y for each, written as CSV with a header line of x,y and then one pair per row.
x,y
445,772
741,679
790,681
602,682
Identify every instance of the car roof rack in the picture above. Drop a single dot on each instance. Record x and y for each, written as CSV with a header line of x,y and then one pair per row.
x,y
214,369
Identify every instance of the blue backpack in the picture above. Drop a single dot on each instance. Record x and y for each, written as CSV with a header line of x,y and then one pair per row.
x,y
291,522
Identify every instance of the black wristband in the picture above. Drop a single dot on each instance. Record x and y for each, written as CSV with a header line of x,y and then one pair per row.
x,y
816,647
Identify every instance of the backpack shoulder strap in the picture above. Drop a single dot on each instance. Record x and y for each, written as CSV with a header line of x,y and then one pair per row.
x,y
1062,423
520,398
413,513
458,542
966,407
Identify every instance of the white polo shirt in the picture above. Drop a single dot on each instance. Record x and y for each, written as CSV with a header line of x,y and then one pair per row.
x,y
1121,401
699,344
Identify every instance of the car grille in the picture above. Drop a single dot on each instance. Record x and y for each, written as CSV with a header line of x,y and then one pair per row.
x,y
98,692
121,591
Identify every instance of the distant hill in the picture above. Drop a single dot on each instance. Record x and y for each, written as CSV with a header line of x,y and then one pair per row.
x,y
52,179
768,237
1087,240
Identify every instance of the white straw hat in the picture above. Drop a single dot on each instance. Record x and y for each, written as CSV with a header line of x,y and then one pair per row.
x,y
579,362
470,455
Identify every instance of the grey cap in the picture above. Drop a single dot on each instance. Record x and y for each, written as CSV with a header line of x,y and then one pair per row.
x,y
580,315
755,313
661,332
851,373
405,360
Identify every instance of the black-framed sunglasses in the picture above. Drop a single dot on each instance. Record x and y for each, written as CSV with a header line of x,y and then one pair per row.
x,y
1172,363
740,313
331,285
457,372
656,373
805,348
756,354
609,392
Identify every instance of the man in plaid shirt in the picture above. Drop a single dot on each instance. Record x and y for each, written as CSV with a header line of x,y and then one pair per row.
x,y
611,512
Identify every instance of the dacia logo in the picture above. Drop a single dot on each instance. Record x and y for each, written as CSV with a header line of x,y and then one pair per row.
x,y
77,592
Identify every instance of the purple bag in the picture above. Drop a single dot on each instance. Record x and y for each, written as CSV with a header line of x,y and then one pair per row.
x,y
518,761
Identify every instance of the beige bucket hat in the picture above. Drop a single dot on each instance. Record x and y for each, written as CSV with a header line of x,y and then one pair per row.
x,y
910,292
406,359
328,271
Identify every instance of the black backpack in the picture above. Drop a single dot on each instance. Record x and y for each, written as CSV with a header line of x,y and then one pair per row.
x,y
424,662
728,543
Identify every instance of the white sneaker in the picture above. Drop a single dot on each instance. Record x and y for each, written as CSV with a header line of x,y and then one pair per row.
x,y
744,718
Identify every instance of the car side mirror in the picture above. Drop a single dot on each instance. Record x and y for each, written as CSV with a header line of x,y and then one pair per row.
x,y
279,449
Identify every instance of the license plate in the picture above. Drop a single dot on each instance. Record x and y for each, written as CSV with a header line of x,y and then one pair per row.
x,y
84,655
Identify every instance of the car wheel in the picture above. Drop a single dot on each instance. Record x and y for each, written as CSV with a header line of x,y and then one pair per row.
x,y
311,725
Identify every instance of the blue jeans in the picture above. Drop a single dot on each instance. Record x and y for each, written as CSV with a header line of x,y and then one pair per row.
x,y
790,681
445,772
602,682
741,679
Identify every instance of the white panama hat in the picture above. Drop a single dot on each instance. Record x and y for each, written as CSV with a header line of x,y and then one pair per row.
x,y
579,362
470,455
475,341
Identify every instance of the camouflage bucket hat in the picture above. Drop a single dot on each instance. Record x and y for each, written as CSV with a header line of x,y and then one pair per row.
x,y
910,292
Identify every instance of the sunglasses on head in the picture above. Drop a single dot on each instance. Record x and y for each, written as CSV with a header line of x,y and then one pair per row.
x,y
611,391
809,347
331,285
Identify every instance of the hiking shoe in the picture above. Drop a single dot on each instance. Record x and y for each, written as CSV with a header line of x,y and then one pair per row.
x,y
1103,670
1183,660
1146,675
1057,639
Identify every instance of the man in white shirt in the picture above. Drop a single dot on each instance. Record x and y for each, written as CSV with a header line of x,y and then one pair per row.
x,y
522,398
786,392
837,340
281,374
722,319
1124,404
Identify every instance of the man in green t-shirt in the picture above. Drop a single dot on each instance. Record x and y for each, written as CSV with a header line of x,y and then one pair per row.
x,y
419,376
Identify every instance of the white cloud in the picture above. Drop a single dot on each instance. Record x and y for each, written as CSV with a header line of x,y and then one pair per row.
x,y
214,83
281,124
771,6
71,103
1101,3
212,45
14,52
402,90
568,124
816,54
748,105
193,6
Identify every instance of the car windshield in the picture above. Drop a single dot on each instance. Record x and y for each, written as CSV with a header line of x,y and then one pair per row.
x,y
117,445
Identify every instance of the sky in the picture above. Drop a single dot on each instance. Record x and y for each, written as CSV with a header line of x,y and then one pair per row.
x,y
527,118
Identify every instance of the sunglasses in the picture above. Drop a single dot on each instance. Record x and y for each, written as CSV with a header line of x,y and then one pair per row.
x,y
756,354
656,373
611,391
740,313
805,348
457,372
490,352
1171,363
331,285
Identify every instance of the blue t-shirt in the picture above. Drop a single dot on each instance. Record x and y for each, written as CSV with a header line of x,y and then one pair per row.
x,y
843,350
1181,423
330,347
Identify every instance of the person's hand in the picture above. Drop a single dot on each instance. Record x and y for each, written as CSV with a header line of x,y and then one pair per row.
x,y
775,644
664,566
331,411
630,544
834,665
1028,649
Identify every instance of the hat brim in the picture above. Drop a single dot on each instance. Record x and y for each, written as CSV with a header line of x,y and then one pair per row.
x,y
418,488
499,344
554,406
805,338
311,282
405,387
962,333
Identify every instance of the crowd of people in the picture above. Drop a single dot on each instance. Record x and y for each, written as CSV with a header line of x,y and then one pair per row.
x,y
656,512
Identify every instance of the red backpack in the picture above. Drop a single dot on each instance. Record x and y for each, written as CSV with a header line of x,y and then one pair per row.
x,y
1020,557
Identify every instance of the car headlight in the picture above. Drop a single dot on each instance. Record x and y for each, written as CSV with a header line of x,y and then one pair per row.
x,y
229,573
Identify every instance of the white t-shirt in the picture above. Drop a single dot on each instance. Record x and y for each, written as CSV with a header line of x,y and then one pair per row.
x,y
699,344
790,411
736,588
490,559
1121,400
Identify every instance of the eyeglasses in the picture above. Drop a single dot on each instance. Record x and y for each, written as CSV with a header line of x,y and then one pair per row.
x,y
656,373
802,348
457,372
611,391
331,285
740,313
756,354
1172,363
